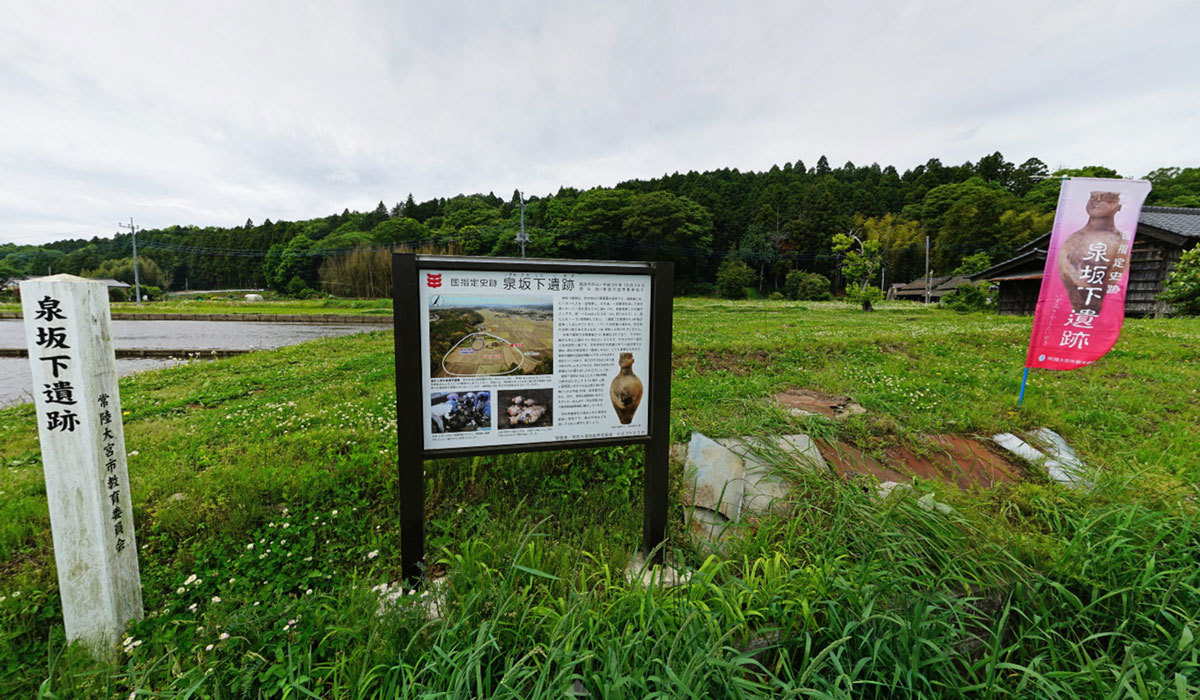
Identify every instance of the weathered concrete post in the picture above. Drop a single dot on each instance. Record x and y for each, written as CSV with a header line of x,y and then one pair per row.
x,y
69,332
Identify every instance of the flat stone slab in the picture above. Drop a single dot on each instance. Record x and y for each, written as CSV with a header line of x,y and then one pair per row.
x,y
1059,460
765,488
719,477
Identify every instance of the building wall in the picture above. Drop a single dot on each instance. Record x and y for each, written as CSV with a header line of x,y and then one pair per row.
x,y
1018,297
1150,264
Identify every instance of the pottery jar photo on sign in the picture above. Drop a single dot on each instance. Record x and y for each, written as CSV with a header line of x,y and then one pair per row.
x,y
626,390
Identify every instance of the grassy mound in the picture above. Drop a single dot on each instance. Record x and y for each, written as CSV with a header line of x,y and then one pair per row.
x,y
267,521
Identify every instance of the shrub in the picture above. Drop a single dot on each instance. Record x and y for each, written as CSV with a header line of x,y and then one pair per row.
x,y
1182,289
298,289
152,292
970,297
806,286
732,279
775,296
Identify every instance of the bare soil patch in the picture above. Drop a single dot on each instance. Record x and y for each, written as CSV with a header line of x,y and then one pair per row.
x,y
808,401
952,459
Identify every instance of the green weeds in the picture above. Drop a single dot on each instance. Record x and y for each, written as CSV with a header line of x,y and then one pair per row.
x,y
267,523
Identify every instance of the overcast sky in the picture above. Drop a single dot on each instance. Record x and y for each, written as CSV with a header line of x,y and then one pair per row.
x,y
212,112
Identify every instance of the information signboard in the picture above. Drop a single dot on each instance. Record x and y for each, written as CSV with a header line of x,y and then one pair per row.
x,y
501,355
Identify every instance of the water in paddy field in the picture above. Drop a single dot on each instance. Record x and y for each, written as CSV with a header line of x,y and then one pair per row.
x,y
16,383
15,380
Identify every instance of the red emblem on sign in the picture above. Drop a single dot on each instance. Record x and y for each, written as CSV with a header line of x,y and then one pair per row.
x,y
432,280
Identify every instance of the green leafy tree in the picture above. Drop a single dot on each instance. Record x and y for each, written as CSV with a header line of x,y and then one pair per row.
x,y
860,262
758,249
1044,193
296,259
976,262
970,297
8,273
666,227
806,286
902,241
595,223
149,273
398,230
733,277
1175,187
1182,289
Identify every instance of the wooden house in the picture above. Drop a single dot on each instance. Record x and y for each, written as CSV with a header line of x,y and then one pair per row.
x,y
1163,234
938,288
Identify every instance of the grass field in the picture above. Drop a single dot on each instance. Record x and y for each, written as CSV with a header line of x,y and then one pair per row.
x,y
270,478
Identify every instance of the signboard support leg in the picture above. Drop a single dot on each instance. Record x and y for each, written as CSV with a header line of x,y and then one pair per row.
x,y
658,450
408,403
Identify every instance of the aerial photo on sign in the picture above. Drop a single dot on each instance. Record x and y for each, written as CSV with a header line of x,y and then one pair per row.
x,y
486,337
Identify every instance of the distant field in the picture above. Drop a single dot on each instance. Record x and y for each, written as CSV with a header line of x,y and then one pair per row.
x,y
235,304
530,342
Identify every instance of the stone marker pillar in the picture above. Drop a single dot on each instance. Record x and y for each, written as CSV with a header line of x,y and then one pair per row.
x,y
69,333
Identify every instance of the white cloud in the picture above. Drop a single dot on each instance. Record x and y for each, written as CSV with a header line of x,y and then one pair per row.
x,y
212,112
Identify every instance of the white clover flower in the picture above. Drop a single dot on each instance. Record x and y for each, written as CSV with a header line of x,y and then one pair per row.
x,y
190,580
250,546
181,590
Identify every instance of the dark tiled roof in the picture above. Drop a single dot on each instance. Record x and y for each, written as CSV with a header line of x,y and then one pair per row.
x,y
918,285
1180,220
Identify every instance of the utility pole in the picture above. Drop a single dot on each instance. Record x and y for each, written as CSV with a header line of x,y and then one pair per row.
x,y
928,291
522,237
137,285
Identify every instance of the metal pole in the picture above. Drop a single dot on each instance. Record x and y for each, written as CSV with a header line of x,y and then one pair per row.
x,y
927,278
137,286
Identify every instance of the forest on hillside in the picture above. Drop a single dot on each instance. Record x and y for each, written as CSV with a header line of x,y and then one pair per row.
x,y
776,221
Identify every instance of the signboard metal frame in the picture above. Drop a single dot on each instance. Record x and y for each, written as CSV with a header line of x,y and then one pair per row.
x,y
410,395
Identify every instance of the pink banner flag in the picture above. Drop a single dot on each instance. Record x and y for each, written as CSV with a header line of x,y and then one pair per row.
x,y
1082,302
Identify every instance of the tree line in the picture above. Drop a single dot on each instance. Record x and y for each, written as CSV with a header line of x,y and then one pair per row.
x,y
776,221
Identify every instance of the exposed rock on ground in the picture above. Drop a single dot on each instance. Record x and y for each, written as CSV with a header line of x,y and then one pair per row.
x,y
1055,456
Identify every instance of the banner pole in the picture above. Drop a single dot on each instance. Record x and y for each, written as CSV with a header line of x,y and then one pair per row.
x,y
1024,378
